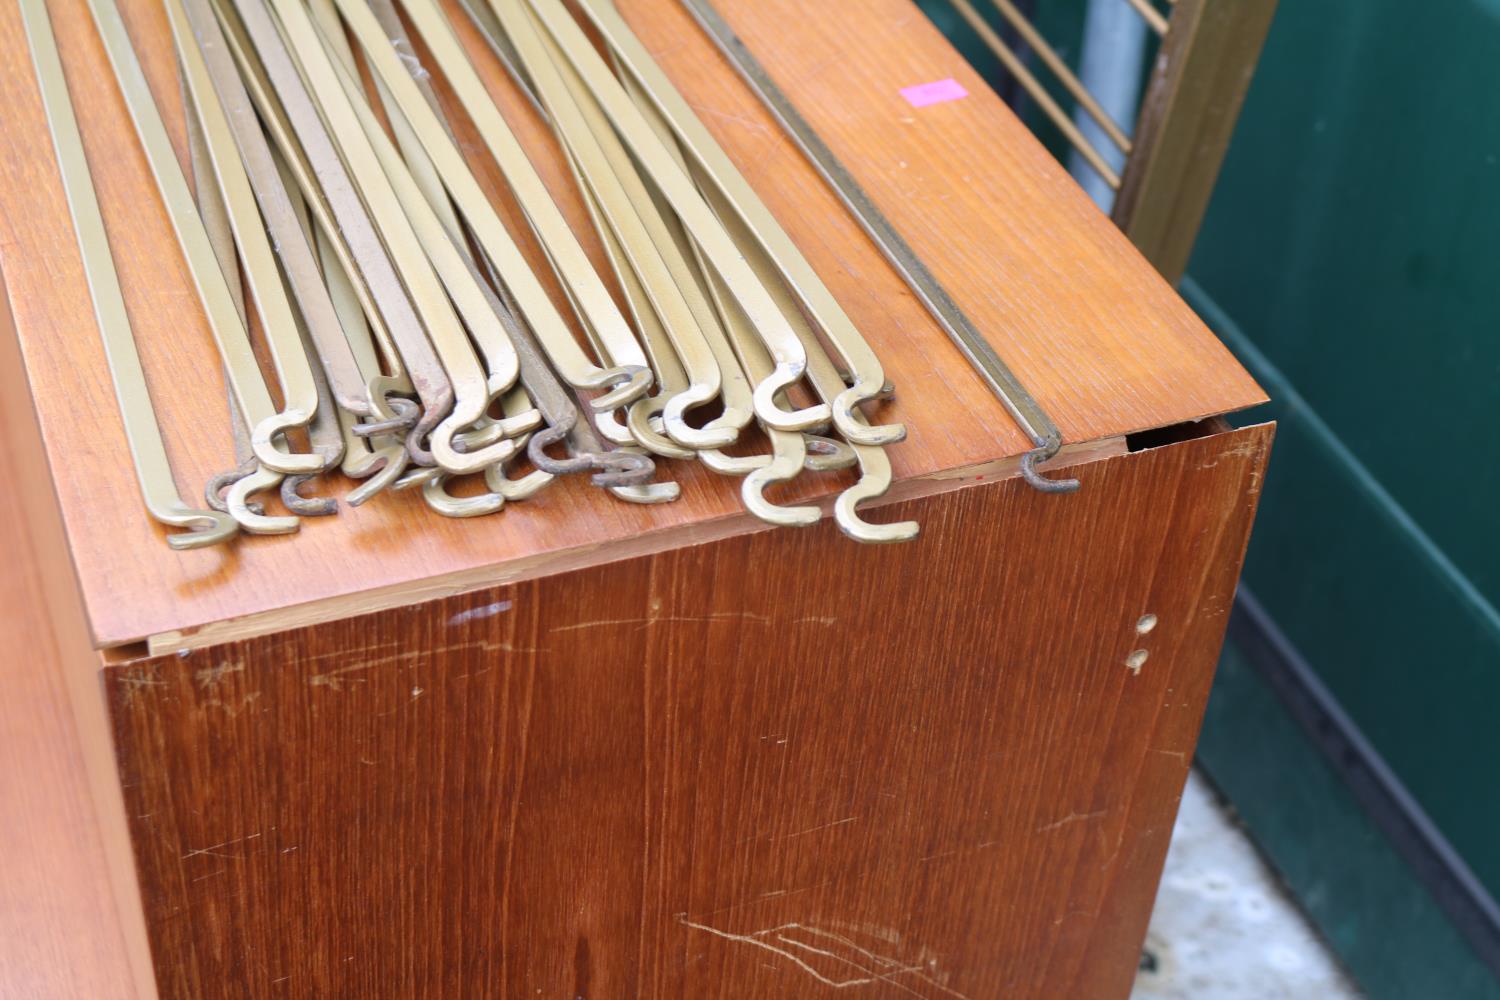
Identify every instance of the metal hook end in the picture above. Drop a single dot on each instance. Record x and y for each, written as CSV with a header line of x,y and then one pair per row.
x,y
431,416
1038,481
435,493
764,401
213,490
305,506
779,470
406,413
638,422
846,516
258,524
548,436
205,527
263,443
622,468
630,383
847,419
649,493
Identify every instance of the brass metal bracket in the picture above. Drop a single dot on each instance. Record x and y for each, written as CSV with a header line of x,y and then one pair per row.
x,y
1019,402
142,432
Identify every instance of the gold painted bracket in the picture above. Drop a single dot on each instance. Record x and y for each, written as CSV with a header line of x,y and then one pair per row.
x,y
233,340
979,352
142,432
680,193
863,364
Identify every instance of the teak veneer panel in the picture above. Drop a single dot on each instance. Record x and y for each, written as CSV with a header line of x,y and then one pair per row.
x,y
1104,343
68,917
774,766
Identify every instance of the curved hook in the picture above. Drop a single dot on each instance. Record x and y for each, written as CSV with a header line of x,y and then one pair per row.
x,y
616,468
432,415
263,442
435,493
712,435
529,485
630,383
638,421
875,481
649,493
258,524
213,490
451,460
853,427
305,506
784,465
732,465
772,415
487,430
385,466
621,468
1045,449
548,436
611,425
404,413
205,527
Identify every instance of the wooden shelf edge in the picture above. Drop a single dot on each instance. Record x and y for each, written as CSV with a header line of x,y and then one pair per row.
x,y
566,560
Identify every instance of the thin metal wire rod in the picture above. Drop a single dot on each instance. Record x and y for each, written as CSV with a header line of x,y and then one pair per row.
x,y
1033,87
1061,70
1150,14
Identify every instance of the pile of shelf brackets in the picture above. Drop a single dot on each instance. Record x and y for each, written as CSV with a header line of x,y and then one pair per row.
x,y
411,340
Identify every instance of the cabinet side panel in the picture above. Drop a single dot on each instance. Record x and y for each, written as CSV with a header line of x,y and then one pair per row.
x,y
774,765
70,920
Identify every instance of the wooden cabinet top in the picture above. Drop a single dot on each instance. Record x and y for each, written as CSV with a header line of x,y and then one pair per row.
x,y
1085,323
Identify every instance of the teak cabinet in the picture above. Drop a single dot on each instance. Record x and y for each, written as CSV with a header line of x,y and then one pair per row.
x,y
585,749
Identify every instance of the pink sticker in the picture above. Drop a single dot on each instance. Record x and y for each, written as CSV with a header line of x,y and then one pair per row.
x,y
936,92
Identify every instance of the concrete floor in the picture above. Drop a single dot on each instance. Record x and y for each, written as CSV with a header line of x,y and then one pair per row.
x,y
1223,929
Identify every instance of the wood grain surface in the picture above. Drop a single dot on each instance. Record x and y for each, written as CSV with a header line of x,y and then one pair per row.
x,y
1101,340
775,766
62,936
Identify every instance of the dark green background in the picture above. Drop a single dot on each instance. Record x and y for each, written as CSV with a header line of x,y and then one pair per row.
x,y
1351,258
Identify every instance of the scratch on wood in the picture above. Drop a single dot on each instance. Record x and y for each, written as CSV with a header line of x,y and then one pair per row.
x,y
1072,818
815,829
475,614
133,682
334,679
1248,449
231,708
209,676
859,966
213,851
717,616
958,850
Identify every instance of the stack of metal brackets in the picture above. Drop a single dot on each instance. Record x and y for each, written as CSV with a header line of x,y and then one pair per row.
x,y
411,339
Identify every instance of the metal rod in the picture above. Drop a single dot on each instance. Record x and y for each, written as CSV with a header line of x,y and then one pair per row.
x,y
726,258
233,340
868,376
625,382
1065,75
1021,405
1150,14
1033,86
153,469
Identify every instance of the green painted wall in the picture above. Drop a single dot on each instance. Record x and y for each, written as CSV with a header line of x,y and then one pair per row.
x,y
1351,258
1354,243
